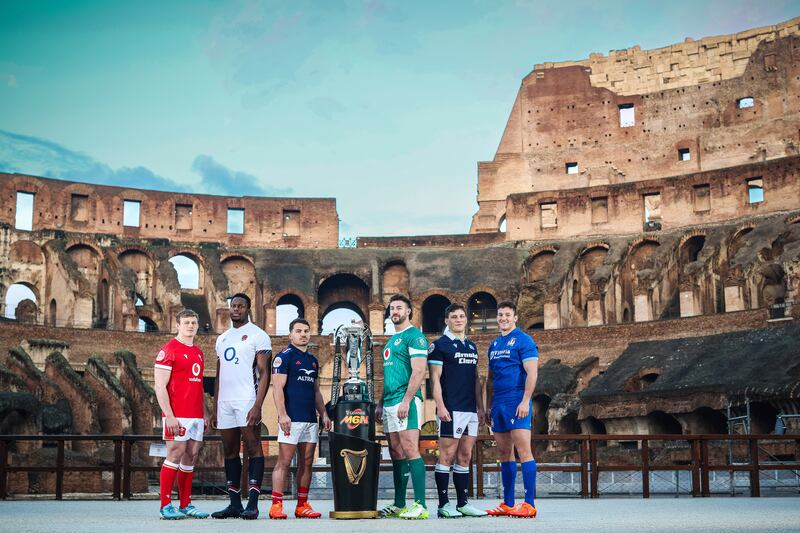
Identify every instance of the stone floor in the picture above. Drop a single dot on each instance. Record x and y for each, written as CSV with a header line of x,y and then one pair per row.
x,y
556,515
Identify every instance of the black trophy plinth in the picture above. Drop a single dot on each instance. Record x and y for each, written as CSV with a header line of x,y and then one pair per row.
x,y
355,460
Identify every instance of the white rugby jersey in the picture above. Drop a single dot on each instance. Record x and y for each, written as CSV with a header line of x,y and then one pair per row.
x,y
236,350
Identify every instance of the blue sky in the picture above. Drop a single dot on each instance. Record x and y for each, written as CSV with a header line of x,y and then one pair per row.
x,y
385,105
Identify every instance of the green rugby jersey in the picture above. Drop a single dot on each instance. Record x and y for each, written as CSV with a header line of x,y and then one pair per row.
x,y
397,354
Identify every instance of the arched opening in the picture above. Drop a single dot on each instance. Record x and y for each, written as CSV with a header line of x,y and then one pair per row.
x,y
594,426
640,257
690,250
737,242
21,303
535,326
541,402
102,303
482,313
433,313
342,313
188,270
540,266
569,424
289,307
501,227
342,291
647,379
51,315
146,325
707,421
660,423
762,418
626,315
241,275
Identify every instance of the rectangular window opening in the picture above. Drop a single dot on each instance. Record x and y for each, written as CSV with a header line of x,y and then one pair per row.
x,y
572,168
79,208
755,190
24,214
627,116
600,210
130,213
549,215
684,154
701,197
291,223
183,216
745,102
235,220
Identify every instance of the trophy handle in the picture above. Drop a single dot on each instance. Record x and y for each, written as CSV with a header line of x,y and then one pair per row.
x,y
370,375
337,368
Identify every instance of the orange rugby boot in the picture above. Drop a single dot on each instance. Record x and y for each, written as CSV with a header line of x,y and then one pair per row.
x,y
276,511
500,510
523,510
305,511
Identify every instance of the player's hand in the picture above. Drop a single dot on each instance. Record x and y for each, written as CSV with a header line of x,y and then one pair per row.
x,y
379,411
402,410
523,408
213,421
207,423
285,423
254,416
326,423
172,425
443,414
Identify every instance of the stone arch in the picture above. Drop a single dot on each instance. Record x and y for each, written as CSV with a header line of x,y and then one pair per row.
x,y
639,257
142,264
343,291
27,252
661,423
706,421
593,426
690,247
52,313
482,311
103,302
541,403
22,302
539,265
287,308
190,276
394,278
432,311
502,223
762,417
89,262
737,239
590,258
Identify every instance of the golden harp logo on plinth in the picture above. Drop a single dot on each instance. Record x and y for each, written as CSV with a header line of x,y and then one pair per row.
x,y
355,464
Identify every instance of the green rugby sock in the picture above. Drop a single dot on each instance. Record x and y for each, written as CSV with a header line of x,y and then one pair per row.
x,y
400,476
417,467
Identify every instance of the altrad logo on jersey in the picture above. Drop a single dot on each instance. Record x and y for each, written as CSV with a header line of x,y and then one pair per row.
x,y
354,418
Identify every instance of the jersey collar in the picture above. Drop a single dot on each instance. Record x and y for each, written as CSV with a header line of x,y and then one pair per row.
x,y
450,335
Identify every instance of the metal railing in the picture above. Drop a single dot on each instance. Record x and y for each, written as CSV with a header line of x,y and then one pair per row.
x,y
697,465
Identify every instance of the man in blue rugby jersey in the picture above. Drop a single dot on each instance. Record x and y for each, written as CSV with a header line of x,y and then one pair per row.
x,y
453,364
513,368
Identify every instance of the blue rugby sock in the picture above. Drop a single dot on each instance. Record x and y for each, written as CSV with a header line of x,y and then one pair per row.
x,y
529,479
508,473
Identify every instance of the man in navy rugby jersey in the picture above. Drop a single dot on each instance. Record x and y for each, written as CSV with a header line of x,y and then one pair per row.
x,y
453,366
298,399
513,368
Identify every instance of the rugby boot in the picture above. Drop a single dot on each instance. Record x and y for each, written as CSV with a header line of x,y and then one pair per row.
x,y
168,512
523,510
305,511
391,511
250,512
229,512
190,511
276,511
417,511
470,510
500,510
448,510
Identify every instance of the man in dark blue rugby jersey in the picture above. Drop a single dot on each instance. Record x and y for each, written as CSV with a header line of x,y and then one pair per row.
x,y
453,364
295,388
513,368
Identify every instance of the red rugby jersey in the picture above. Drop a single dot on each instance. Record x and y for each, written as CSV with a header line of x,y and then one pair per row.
x,y
185,386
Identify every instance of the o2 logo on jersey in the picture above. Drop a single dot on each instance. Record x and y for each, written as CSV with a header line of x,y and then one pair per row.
x,y
230,355
386,353
196,369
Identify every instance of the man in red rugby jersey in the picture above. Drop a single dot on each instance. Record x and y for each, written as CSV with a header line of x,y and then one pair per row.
x,y
179,390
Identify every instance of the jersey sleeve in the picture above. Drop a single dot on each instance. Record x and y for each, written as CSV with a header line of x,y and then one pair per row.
x,y
165,359
263,342
435,356
418,346
280,365
216,345
528,350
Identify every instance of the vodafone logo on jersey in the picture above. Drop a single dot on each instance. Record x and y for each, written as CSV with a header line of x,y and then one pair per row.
x,y
386,354
196,369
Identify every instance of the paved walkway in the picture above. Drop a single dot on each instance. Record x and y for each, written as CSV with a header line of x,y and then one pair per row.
x,y
556,515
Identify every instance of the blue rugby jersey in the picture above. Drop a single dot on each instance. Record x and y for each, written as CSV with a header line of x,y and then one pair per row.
x,y
301,370
506,355
459,362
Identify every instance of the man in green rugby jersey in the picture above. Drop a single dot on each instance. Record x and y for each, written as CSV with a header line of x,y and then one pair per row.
x,y
404,358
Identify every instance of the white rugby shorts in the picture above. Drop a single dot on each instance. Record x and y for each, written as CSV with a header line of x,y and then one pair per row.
x,y
191,429
233,414
461,423
393,424
300,432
